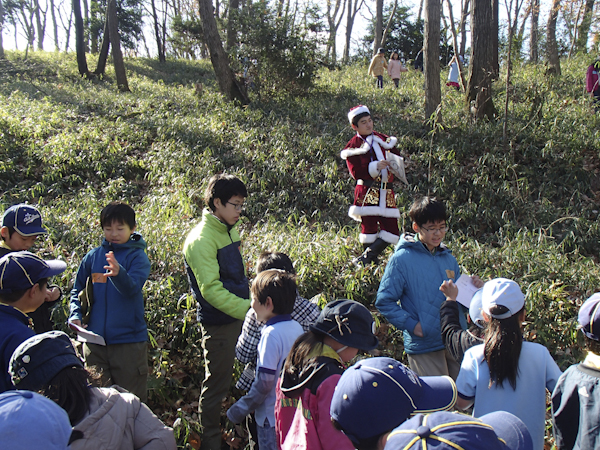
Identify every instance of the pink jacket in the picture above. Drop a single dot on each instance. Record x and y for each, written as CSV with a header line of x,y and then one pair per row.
x,y
394,68
303,422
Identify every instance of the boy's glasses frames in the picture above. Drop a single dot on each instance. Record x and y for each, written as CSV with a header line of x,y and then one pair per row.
x,y
435,230
238,206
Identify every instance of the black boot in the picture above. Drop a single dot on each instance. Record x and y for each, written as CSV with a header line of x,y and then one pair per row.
x,y
371,252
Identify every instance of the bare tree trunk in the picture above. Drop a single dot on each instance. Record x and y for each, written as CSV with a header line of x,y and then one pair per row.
x,y
334,22
86,24
389,23
54,26
113,28
584,28
79,40
463,26
1,30
103,55
68,31
93,34
533,41
481,73
420,10
495,45
433,92
229,86
455,46
40,24
353,8
378,26
575,30
232,21
159,43
511,32
553,60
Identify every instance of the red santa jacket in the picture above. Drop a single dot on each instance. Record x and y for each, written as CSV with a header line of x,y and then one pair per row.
x,y
362,155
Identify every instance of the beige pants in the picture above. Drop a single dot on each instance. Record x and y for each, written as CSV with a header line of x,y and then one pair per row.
x,y
434,363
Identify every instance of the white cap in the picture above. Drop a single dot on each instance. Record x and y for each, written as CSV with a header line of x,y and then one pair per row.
x,y
360,109
502,292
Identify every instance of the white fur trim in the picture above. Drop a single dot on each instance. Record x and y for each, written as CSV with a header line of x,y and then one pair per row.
x,y
348,152
367,238
356,111
389,237
386,145
356,212
373,170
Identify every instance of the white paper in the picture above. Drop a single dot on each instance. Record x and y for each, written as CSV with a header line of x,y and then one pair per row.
x,y
84,335
396,166
466,290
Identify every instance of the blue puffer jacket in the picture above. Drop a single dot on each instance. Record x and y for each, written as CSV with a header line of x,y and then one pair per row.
x,y
118,310
409,292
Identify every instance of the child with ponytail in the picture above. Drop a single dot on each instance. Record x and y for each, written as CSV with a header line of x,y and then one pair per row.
x,y
505,373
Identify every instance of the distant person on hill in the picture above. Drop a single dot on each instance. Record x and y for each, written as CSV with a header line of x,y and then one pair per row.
x,y
506,373
419,61
117,271
273,296
23,288
311,373
21,225
378,67
374,203
454,74
456,339
246,349
409,294
217,277
592,82
102,418
394,68
576,397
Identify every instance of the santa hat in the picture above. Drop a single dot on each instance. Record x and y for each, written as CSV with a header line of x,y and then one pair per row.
x,y
360,109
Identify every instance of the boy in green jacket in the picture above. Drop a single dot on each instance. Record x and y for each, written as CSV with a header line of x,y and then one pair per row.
x,y
218,281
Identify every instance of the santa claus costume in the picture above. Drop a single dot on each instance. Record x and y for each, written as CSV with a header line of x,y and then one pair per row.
x,y
374,199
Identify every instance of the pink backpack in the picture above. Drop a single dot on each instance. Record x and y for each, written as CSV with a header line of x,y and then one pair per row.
x,y
591,77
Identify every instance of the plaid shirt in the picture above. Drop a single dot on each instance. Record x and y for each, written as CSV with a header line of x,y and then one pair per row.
x,y
305,313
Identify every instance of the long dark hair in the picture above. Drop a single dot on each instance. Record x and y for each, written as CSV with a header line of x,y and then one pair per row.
x,y
503,342
299,355
70,389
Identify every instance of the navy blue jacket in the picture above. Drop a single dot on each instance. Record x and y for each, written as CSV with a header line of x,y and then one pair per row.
x,y
14,329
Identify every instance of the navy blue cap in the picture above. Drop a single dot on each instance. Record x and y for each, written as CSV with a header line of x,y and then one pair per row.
x,y
347,322
37,360
22,270
376,395
499,430
26,219
589,317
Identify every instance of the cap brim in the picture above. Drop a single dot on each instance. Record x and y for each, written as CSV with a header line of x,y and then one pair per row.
x,y
437,394
55,267
510,429
475,309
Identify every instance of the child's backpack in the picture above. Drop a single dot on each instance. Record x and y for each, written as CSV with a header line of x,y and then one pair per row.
x,y
591,77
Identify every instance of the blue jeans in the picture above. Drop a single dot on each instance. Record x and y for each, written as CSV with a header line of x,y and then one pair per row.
x,y
380,81
267,439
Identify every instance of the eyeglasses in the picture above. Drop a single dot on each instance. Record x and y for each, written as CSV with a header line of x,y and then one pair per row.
x,y
435,230
238,206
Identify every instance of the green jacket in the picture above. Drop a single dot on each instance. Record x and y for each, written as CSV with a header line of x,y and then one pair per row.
x,y
216,271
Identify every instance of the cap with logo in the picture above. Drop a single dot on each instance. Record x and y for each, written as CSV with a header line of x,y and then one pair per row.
x,y
26,219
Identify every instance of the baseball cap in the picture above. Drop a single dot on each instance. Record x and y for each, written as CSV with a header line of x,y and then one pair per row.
x,y
347,322
356,110
502,292
499,430
21,270
589,317
26,219
377,394
37,360
29,420
475,310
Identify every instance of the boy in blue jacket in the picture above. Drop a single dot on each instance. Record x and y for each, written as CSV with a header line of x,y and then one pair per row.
x,y
409,294
118,270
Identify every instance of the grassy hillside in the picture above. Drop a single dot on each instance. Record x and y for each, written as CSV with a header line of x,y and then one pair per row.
x,y
527,211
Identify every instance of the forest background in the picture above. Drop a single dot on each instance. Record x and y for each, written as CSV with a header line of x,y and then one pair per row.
x,y
522,186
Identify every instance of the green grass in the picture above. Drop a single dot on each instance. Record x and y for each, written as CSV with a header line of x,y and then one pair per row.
x,y
528,211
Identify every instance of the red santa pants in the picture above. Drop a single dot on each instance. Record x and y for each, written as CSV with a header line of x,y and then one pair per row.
x,y
370,226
